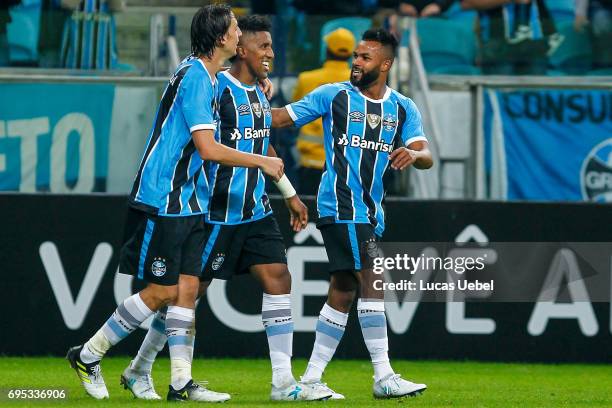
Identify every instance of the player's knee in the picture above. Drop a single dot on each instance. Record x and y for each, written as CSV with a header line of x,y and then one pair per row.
x,y
188,289
163,295
344,281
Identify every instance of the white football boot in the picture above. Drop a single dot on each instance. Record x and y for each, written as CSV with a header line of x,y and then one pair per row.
x,y
193,391
295,391
323,387
90,375
394,386
139,383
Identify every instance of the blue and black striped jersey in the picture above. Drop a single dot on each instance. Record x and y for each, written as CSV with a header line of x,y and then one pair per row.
x,y
170,181
359,134
238,194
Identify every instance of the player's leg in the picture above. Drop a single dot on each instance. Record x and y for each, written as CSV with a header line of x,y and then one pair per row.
x,y
180,323
334,314
137,376
144,243
263,254
276,318
373,322
330,327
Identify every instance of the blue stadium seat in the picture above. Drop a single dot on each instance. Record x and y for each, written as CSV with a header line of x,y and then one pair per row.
x,y
357,25
23,31
456,13
574,55
445,43
561,10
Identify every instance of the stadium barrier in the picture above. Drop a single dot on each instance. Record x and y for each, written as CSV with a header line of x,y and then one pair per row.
x,y
80,144
60,254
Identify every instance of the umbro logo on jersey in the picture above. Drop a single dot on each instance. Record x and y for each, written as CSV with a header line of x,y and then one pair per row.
x,y
256,109
243,109
356,116
373,120
250,133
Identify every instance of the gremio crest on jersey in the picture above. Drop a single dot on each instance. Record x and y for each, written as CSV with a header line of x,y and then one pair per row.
x,y
389,122
373,120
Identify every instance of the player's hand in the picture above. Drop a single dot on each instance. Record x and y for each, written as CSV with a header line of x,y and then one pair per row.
x,y
266,87
298,213
431,10
402,157
580,22
273,167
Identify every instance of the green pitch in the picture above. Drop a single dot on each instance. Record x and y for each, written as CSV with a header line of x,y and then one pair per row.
x,y
451,384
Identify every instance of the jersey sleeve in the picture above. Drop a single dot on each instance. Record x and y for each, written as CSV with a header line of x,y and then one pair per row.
x,y
197,102
312,106
412,130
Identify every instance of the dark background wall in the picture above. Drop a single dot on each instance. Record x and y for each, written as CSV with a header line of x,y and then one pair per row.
x,y
47,238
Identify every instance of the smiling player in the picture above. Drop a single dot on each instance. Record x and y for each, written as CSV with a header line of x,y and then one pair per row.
x,y
367,127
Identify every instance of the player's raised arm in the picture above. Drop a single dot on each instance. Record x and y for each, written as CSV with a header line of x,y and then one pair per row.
x,y
297,209
210,149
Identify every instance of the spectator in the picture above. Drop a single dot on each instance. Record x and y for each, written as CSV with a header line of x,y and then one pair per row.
x,y
599,14
416,9
516,37
423,8
340,45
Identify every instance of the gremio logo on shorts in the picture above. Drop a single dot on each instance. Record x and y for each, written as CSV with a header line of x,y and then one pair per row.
x,y
596,173
250,133
158,268
357,141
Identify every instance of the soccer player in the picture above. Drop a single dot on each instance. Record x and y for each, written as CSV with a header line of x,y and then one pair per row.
x,y
245,236
165,231
368,126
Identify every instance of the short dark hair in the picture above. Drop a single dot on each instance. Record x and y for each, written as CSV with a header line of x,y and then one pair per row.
x,y
208,26
254,23
382,36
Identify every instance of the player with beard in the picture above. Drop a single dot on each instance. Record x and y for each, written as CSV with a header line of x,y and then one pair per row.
x,y
244,237
367,127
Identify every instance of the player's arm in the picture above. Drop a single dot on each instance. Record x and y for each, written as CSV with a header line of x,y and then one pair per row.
x,y
416,154
298,212
281,118
195,99
311,107
416,151
210,149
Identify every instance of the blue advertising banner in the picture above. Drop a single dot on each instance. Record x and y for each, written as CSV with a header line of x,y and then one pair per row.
x,y
549,144
55,137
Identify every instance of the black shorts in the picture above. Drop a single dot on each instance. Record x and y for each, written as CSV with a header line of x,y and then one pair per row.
x,y
348,245
158,249
232,249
